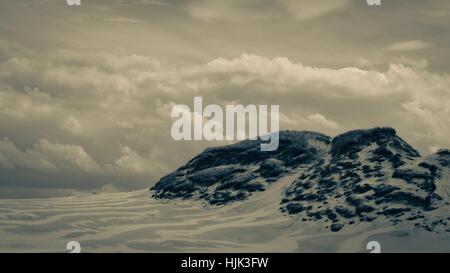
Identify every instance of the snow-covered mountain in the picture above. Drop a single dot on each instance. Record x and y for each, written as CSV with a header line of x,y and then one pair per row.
x,y
313,194
222,175
359,176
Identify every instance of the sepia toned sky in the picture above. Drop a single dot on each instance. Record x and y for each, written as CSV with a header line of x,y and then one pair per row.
x,y
86,92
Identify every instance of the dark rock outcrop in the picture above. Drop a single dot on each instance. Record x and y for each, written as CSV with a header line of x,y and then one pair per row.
x,y
358,176
368,174
221,175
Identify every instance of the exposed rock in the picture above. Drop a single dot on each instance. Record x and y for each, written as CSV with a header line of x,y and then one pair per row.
x,y
336,227
358,176
221,175
369,174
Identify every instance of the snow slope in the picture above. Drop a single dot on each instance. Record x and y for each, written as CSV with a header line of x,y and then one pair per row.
x,y
314,194
133,222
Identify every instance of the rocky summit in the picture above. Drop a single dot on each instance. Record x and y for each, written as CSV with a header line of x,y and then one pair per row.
x,y
359,176
222,175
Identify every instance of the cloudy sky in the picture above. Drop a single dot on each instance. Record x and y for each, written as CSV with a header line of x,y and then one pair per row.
x,y
86,92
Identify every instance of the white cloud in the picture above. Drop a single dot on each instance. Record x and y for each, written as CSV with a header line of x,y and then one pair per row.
x,y
72,125
49,157
323,121
403,96
131,162
112,111
309,9
125,20
45,156
409,45
64,157
285,75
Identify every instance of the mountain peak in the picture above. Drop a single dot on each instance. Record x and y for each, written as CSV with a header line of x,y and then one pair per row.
x,y
354,141
358,176
443,152
366,134
230,173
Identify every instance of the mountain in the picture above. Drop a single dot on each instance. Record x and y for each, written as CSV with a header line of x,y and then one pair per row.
x,y
357,177
222,175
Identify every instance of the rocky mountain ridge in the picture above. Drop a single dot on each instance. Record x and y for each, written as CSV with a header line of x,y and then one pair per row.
x,y
358,176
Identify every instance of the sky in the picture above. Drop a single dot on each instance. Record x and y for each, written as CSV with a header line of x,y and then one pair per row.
x,y
86,91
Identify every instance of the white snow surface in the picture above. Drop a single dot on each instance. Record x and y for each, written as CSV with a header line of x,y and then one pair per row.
x,y
134,222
